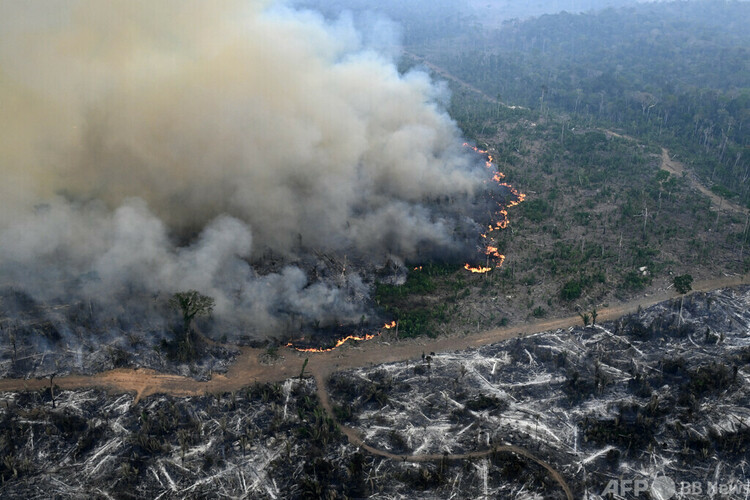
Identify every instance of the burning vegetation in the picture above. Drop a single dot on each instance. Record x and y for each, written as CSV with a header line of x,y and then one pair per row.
x,y
157,179
502,196
342,341
500,217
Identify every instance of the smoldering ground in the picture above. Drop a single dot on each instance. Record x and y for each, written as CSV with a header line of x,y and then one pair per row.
x,y
151,147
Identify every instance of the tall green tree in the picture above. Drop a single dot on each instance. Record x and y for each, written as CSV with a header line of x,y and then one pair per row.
x,y
683,283
191,304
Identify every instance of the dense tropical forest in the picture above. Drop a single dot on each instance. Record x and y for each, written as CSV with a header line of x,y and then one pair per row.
x,y
673,73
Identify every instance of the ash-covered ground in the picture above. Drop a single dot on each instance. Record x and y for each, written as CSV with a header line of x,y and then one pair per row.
x,y
659,393
264,442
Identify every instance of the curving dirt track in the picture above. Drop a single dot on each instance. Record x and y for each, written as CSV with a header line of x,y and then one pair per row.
x,y
444,73
667,163
247,369
677,168
355,438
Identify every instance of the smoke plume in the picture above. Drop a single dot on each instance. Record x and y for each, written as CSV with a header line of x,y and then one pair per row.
x,y
150,147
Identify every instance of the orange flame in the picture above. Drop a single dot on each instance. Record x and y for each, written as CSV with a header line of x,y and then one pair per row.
x,y
478,270
341,342
502,222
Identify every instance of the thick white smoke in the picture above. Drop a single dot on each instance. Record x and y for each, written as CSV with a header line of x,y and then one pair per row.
x,y
162,146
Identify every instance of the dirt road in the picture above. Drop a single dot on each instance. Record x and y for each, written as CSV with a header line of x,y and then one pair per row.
x,y
667,163
442,72
677,168
248,369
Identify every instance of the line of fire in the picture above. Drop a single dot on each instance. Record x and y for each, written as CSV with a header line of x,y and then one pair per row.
x,y
494,259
